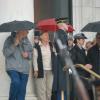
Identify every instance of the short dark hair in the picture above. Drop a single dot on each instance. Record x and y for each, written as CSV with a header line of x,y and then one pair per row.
x,y
13,34
37,33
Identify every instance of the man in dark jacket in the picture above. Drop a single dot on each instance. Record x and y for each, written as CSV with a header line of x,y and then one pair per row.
x,y
94,55
94,58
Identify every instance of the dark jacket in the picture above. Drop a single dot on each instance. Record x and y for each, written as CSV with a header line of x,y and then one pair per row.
x,y
79,57
93,57
59,82
60,78
40,61
62,35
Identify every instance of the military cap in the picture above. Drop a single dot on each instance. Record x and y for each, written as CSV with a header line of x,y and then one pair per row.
x,y
61,20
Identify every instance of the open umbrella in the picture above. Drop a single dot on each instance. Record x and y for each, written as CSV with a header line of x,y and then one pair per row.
x,y
51,25
70,28
16,26
92,27
47,25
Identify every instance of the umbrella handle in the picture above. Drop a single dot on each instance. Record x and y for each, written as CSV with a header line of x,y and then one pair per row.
x,y
62,95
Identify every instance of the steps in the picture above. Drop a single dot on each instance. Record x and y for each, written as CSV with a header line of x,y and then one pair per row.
x,y
27,98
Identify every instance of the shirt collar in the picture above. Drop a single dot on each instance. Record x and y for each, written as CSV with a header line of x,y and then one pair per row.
x,y
79,46
41,44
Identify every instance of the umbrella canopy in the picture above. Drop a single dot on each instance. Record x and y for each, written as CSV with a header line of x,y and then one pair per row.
x,y
47,25
70,28
16,26
51,25
92,27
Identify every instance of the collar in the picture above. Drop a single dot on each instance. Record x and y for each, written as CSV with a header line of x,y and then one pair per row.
x,y
41,44
79,46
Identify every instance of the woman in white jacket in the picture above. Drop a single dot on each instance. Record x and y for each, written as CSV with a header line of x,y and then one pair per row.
x,y
43,66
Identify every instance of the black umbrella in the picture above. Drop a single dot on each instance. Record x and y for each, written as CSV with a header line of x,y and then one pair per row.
x,y
16,26
92,27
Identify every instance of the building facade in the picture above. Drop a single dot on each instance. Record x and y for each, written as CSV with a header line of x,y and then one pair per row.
x,y
83,12
14,10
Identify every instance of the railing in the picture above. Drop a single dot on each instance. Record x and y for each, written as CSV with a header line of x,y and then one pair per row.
x,y
88,70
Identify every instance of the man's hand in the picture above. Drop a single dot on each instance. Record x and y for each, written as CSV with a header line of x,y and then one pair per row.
x,y
16,42
25,54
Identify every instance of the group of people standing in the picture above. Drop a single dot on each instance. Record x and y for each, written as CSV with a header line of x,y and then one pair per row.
x,y
48,66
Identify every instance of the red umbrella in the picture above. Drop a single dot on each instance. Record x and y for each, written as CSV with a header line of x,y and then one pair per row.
x,y
70,28
47,25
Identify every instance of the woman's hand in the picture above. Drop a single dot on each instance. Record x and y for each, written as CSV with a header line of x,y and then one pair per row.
x,y
35,74
89,66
